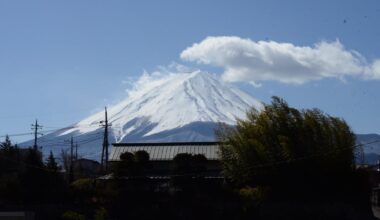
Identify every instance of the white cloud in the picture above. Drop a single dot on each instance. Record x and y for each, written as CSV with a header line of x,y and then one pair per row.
x,y
258,61
152,80
373,71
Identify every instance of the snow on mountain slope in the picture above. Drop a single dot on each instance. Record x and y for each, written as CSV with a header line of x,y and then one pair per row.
x,y
169,107
172,102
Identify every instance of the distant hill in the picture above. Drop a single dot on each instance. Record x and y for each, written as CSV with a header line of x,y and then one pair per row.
x,y
371,151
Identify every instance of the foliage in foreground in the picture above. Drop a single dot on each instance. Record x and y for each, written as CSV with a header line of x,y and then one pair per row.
x,y
281,144
299,160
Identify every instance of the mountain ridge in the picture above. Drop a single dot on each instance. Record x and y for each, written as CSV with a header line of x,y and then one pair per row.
x,y
176,107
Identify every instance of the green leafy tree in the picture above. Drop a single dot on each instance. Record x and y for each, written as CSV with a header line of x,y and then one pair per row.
x,y
281,145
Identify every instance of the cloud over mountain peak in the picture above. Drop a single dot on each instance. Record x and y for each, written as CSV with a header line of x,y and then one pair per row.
x,y
258,61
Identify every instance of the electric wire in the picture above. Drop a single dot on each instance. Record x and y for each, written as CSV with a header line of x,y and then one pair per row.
x,y
81,142
54,139
51,130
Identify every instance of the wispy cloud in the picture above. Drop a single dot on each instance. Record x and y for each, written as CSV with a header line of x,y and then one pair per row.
x,y
258,61
151,80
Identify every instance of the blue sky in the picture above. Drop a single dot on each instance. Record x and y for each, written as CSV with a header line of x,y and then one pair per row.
x,y
63,60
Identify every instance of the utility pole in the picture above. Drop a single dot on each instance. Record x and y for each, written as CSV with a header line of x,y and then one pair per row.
x,y
71,160
35,128
361,155
76,151
104,160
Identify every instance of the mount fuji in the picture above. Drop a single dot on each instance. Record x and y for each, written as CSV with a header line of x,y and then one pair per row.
x,y
176,107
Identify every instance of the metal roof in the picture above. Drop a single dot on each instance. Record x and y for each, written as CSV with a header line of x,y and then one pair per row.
x,y
166,151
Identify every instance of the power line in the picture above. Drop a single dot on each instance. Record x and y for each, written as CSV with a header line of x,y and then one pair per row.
x,y
14,135
89,141
28,133
54,139
51,130
63,144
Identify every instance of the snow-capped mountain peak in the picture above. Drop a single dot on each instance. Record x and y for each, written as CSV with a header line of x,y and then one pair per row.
x,y
172,102
161,108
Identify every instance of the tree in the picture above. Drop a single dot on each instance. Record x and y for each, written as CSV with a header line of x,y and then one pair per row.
x,y
33,159
127,164
281,145
141,159
188,170
8,156
10,168
132,164
33,177
185,163
199,163
51,164
6,144
182,163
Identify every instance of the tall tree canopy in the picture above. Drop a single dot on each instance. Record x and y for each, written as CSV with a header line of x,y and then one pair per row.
x,y
281,144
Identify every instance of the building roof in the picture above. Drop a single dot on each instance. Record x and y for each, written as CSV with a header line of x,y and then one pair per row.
x,y
166,151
